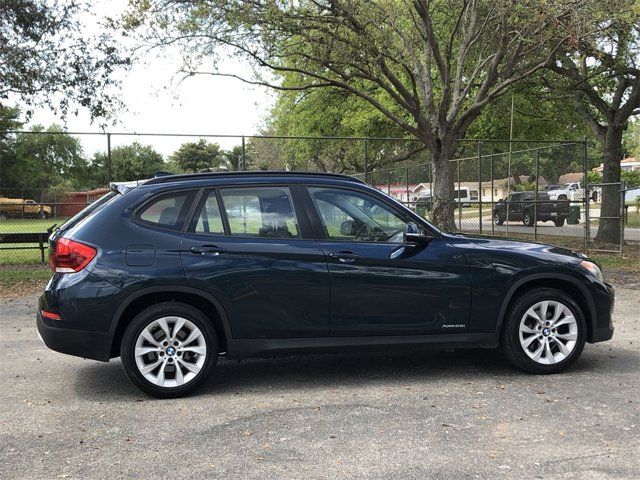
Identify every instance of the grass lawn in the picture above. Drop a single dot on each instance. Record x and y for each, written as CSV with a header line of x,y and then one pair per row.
x,y
616,262
633,218
29,225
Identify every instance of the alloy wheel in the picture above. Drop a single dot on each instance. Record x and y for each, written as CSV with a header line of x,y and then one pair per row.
x,y
548,332
170,351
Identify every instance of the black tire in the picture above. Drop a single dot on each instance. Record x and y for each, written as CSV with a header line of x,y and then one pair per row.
x,y
510,341
558,221
146,317
3,216
527,219
562,197
498,219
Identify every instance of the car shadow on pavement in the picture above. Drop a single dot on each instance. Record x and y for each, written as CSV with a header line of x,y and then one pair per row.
x,y
107,382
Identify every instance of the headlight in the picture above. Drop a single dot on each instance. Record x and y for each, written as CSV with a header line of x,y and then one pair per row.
x,y
593,269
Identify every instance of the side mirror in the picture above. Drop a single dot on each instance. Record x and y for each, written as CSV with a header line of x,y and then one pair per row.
x,y
415,235
348,228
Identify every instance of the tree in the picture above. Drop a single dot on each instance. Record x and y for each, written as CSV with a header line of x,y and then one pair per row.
x,y
235,159
631,178
44,159
603,73
129,162
9,120
428,66
46,57
200,156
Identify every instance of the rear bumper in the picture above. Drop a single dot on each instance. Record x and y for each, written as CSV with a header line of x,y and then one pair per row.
x,y
80,343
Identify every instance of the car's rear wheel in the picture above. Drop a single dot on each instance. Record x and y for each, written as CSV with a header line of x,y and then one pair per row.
x,y
169,349
559,221
498,219
544,331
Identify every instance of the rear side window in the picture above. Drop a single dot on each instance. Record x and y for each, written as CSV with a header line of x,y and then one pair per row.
x,y
167,211
260,212
88,211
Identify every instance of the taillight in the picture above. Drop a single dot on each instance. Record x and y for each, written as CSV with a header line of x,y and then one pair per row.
x,y
70,256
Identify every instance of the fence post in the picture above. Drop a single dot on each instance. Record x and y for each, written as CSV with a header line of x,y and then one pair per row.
x,y
587,218
108,159
535,205
457,200
431,182
493,227
480,184
388,181
366,160
243,159
623,191
406,176
22,201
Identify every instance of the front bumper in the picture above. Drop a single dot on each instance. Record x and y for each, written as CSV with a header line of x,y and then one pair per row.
x,y
604,299
80,343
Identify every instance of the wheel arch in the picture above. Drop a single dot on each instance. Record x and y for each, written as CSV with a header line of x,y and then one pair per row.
x,y
210,306
565,283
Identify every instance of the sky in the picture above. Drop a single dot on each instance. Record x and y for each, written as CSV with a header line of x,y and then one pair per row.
x,y
156,101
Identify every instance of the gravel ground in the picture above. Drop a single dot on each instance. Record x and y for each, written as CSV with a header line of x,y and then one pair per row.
x,y
447,415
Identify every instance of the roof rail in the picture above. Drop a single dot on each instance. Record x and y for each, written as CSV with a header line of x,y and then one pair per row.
x,y
205,175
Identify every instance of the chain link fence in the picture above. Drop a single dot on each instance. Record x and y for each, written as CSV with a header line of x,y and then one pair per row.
x,y
529,190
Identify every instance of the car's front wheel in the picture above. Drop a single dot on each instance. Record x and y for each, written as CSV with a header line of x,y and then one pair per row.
x,y
498,219
544,331
169,349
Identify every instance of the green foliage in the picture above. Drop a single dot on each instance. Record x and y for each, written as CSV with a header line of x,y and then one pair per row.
x,y
43,160
631,178
48,58
631,140
200,156
233,158
129,162
594,177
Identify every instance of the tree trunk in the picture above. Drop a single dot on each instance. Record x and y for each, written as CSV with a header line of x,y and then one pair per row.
x,y
609,229
443,189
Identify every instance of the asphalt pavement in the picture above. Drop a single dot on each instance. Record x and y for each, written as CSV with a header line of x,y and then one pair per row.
x,y
416,415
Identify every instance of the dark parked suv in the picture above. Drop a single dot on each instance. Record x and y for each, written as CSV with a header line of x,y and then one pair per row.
x,y
178,270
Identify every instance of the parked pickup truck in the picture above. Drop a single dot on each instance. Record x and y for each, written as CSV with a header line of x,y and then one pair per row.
x,y
18,207
522,206
570,191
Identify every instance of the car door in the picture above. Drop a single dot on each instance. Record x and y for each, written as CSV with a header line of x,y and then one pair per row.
x,y
381,285
514,206
251,248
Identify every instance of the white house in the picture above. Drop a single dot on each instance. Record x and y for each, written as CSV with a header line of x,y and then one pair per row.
x,y
629,163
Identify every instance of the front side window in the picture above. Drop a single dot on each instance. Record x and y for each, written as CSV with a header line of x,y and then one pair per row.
x,y
354,216
260,212
167,211
209,219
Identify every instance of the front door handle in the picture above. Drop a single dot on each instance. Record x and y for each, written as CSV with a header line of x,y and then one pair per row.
x,y
345,257
208,250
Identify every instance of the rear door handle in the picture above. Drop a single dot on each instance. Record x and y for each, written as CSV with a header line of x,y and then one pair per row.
x,y
345,257
208,250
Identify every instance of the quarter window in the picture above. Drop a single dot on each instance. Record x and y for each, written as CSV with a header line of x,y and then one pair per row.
x,y
209,219
167,211
260,212
355,216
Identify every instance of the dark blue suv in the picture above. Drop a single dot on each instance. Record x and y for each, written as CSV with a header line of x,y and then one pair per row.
x,y
173,272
